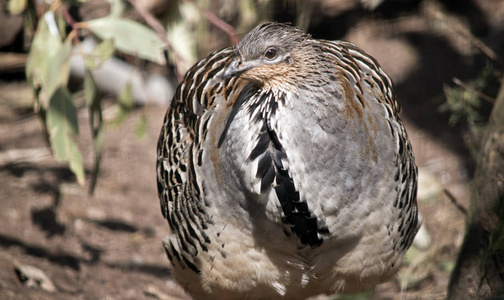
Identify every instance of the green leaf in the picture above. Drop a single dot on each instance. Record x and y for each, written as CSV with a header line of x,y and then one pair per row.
x,y
30,18
47,63
100,54
184,36
62,114
58,70
130,37
62,125
43,46
90,89
16,7
75,162
117,7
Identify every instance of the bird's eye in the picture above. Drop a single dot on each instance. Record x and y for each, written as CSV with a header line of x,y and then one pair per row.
x,y
271,53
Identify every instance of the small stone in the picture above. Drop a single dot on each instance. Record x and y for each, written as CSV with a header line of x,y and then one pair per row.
x,y
34,277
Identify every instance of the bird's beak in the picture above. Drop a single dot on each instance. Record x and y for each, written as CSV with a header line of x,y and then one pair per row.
x,y
237,66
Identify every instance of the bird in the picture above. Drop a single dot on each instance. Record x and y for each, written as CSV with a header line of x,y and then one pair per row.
x,y
284,171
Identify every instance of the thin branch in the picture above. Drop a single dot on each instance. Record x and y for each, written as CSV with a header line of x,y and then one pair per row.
x,y
31,155
460,29
67,16
163,35
73,35
470,89
455,202
476,42
218,22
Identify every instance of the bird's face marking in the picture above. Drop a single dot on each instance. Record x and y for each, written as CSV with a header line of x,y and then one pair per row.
x,y
269,53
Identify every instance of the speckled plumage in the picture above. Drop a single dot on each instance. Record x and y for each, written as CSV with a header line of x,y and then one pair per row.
x,y
284,171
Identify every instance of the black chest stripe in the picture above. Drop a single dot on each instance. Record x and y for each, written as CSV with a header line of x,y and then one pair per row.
x,y
273,173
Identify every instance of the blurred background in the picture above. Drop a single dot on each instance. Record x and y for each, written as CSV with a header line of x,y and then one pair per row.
x,y
84,86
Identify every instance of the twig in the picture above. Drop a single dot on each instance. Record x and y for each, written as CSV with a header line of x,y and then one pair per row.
x,y
478,44
470,89
156,25
440,15
159,29
12,62
74,34
455,202
218,22
32,155
67,16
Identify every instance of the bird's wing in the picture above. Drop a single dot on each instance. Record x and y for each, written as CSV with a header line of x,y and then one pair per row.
x,y
179,145
367,77
363,69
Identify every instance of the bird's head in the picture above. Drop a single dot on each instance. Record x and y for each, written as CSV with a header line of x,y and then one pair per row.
x,y
270,54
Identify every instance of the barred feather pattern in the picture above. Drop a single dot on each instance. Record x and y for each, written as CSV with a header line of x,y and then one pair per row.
x,y
302,244
362,69
179,151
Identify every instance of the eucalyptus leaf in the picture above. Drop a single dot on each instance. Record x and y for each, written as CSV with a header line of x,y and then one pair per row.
x,y
61,121
75,162
43,54
62,125
16,7
183,35
90,89
117,7
58,70
61,24
100,54
130,37
36,66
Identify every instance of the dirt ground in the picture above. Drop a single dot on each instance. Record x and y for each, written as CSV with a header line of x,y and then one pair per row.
x,y
109,246
103,247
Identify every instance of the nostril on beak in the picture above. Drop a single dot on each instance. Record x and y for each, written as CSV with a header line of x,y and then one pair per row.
x,y
237,66
232,69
